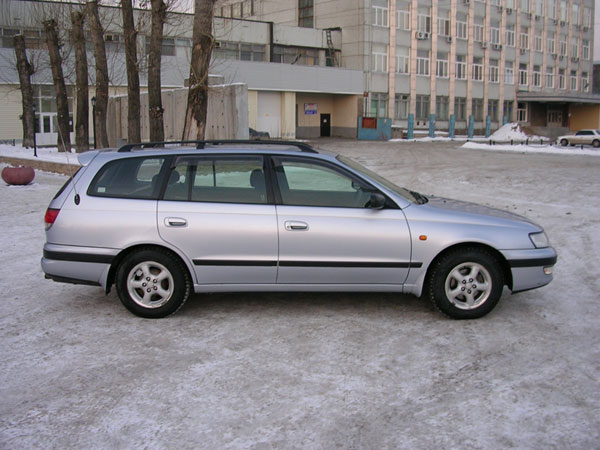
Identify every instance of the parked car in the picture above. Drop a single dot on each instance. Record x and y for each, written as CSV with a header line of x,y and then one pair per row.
x,y
162,223
254,134
581,137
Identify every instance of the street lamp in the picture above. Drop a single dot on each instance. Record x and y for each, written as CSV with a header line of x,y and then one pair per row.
x,y
34,130
94,119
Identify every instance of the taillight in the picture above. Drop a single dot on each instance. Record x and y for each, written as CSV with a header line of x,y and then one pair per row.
x,y
50,217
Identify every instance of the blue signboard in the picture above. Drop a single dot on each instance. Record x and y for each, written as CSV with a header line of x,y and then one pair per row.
x,y
310,108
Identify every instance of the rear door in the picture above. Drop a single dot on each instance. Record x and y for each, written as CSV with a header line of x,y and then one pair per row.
x,y
217,210
328,234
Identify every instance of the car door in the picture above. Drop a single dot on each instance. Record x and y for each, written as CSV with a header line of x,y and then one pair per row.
x,y
327,233
217,211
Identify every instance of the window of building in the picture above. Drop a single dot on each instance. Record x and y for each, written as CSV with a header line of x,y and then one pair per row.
x,y
478,32
510,35
563,10
495,34
46,117
443,26
523,80
508,110
461,26
379,104
422,112
537,40
585,82
537,76
403,17
563,45
460,108
493,110
509,73
562,83
114,43
424,20
573,80
441,69
551,9
494,71
441,107
167,48
585,49
293,55
574,47
587,17
575,14
403,60
306,13
510,4
550,44
461,67
477,69
423,62
550,77
539,7
477,109
402,106
525,6
380,16
522,112
524,38
380,62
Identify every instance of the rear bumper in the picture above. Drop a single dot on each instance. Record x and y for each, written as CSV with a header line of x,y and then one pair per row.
x,y
530,268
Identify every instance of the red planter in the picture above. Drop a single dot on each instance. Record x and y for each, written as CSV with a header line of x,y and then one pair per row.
x,y
18,175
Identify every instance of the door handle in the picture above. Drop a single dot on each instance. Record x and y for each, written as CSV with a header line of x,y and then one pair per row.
x,y
175,222
292,225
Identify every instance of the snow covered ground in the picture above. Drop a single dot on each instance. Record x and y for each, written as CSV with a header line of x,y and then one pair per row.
x,y
317,371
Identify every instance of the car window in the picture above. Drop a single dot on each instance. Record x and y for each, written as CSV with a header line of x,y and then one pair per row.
x,y
217,179
307,183
128,178
584,133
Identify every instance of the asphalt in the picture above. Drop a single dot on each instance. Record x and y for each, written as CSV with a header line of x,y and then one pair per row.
x,y
317,371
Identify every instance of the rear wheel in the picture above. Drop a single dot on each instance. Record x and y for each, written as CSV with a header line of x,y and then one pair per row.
x,y
596,143
152,283
564,142
466,283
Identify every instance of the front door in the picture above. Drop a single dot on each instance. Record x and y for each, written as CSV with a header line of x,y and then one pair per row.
x,y
325,125
328,235
216,210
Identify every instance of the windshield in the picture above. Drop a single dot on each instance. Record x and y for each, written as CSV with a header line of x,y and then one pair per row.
x,y
411,196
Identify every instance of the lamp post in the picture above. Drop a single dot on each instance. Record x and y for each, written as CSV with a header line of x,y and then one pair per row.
x,y
94,119
34,130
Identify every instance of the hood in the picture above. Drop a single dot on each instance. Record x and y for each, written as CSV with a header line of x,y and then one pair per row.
x,y
474,208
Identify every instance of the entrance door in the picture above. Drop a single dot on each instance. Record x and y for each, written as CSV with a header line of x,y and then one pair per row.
x,y
325,125
555,118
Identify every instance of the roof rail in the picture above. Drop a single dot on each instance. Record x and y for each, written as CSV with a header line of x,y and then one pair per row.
x,y
302,146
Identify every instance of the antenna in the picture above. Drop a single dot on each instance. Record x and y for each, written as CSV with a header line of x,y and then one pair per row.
x,y
72,174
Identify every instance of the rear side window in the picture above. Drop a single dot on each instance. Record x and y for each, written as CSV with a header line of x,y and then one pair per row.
x,y
218,180
129,178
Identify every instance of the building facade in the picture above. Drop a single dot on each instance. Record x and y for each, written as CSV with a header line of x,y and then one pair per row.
x,y
456,63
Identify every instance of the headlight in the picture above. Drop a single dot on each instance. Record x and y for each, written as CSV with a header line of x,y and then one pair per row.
x,y
540,240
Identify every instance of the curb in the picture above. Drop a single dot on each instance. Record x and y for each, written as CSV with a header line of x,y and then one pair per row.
x,y
46,166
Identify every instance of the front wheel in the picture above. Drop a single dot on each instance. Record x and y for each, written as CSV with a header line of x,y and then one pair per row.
x,y
152,283
564,142
466,283
596,143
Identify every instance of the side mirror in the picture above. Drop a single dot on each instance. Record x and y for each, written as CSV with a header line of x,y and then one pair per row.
x,y
377,201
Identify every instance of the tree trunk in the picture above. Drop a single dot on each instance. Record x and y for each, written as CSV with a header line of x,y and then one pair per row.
x,y
82,135
25,69
203,42
62,104
101,74
155,113
133,75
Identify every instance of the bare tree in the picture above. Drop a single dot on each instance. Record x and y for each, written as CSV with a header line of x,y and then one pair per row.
x,y
133,73
101,73
62,103
82,135
159,14
25,70
203,42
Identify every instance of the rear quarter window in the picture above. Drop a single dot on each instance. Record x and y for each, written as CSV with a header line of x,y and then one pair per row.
x,y
137,178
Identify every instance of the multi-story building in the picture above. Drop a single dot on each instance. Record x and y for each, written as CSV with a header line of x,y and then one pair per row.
x,y
454,63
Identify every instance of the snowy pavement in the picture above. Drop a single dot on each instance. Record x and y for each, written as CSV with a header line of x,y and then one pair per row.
x,y
317,371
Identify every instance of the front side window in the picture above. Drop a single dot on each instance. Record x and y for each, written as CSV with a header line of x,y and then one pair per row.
x,y
217,180
303,183
135,178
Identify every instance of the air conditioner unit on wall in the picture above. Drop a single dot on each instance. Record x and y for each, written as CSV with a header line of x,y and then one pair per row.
x,y
575,59
586,28
497,46
217,44
522,51
529,16
562,23
499,9
422,35
449,39
467,2
508,10
537,17
554,55
484,44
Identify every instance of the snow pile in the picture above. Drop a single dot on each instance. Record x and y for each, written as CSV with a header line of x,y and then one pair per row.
x,y
44,154
511,132
533,148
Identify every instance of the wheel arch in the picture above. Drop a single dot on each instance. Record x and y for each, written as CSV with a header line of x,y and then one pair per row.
x,y
110,278
505,267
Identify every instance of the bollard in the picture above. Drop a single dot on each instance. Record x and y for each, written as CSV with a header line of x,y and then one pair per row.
x,y
512,142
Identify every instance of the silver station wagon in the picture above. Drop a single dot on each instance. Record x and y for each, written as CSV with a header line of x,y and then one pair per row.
x,y
160,221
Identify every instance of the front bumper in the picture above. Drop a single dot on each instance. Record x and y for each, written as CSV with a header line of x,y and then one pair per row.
x,y
527,267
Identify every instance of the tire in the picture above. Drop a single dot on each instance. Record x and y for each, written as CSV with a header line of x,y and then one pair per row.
x,y
596,143
564,142
152,283
480,292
